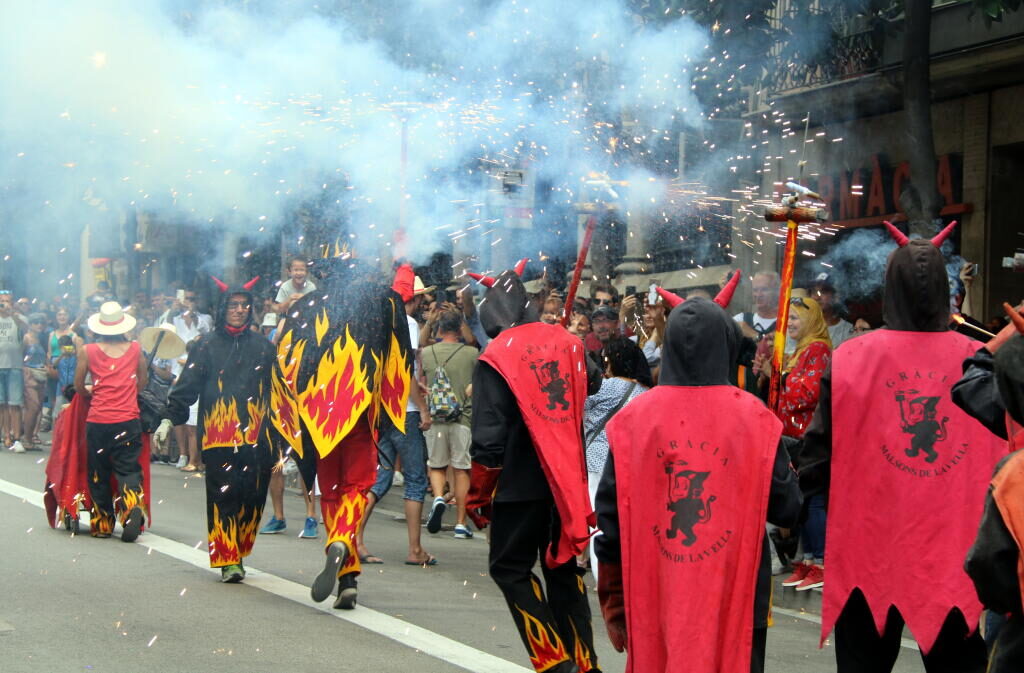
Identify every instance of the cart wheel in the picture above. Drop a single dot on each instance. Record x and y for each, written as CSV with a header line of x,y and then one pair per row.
x,y
74,525
67,521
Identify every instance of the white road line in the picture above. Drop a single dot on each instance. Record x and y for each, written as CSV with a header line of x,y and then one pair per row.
x,y
402,632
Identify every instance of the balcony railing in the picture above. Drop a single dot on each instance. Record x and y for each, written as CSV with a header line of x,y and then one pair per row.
x,y
849,56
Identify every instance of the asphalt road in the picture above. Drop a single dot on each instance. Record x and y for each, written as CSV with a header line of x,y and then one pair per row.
x,y
74,603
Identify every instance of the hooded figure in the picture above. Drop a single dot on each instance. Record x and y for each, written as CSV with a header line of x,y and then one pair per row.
x,y
529,387
683,564
342,372
228,372
995,560
887,444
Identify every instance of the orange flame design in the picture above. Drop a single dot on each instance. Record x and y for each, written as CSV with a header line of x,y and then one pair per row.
x,y
394,384
129,500
581,653
248,522
100,522
546,648
342,520
322,325
221,426
336,395
222,542
256,411
284,404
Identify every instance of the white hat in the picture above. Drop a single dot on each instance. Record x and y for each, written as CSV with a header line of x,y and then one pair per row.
x,y
269,320
418,289
171,345
111,320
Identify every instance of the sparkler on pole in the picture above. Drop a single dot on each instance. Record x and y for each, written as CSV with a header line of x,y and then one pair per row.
x,y
577,274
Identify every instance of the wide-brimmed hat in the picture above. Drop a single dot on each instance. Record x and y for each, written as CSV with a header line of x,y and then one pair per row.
x,y
418,289
111,320
171,345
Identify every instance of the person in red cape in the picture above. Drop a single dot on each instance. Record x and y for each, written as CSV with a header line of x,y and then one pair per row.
x,y
994,561
342,377
685,576
529,387
906,471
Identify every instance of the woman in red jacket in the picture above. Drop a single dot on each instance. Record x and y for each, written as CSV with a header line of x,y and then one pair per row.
x,y
801,386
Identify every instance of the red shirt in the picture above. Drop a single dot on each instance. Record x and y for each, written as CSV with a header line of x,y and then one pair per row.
x,y
801,390
114,385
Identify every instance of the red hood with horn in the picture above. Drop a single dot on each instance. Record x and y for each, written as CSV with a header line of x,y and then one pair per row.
x,y
723,298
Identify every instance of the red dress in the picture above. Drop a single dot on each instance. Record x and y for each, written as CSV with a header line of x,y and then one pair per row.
x,y
801,389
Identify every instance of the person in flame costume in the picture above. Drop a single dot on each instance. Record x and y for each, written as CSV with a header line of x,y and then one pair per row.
x,y
528,392
228,371
683,563
906,472
994,561
343,370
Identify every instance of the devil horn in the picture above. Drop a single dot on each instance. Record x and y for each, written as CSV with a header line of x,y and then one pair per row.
x,y
671,298
941,236
221,285
1017,318
725,295
486,281
251,283
521,266
900,238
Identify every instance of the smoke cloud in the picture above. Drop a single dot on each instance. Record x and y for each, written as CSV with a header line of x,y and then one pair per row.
x,y
234,114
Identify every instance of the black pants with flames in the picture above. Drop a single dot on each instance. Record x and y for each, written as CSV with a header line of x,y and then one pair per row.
x,y
113,451
236,490
555,628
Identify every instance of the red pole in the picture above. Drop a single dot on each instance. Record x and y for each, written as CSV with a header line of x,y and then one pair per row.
x,y
577,273
785,288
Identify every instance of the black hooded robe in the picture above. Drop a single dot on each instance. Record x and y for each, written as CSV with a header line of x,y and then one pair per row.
x,y
228,371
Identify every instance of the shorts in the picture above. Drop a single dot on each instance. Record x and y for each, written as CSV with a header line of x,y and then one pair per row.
x,y
448,444
12,387
410,447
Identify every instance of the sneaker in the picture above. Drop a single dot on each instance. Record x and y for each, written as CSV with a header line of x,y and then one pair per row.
x,y
815,578
232,574
323,585
436,514
309,530
347,592
182,462
132,525
777,567
800,572
17,446
399,479
275,525
462,533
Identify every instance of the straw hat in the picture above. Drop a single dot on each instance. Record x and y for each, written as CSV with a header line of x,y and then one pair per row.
x,y
269,320
171,346
418,289
111,320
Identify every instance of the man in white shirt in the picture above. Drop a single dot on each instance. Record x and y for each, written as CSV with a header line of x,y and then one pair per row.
x,y
824,293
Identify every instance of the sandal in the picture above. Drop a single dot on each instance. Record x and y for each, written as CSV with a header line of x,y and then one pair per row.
x,y
429,561
190,468
370,559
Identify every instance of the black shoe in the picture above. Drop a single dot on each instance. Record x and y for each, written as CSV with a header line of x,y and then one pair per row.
x,y
347,592
566,667
323,585
436,514
132,525
232,574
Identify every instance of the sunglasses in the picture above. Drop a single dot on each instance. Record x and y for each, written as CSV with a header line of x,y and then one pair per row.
x,y
238,304
603,302
798,301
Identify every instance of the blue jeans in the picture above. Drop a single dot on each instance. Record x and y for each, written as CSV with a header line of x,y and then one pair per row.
x,y
412,449
12,387
813,530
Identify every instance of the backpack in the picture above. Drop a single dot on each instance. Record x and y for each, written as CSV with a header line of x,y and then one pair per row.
x,y
443,403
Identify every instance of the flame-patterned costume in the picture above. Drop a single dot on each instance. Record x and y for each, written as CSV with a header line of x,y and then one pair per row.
x,y
228,371
528,392
342,373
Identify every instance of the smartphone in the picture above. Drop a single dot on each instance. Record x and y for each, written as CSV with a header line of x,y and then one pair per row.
x,y
180,294
652,295
630,289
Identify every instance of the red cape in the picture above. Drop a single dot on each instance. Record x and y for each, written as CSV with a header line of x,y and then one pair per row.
x,y
543,365
1015,433
692,501
67,480
910,471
